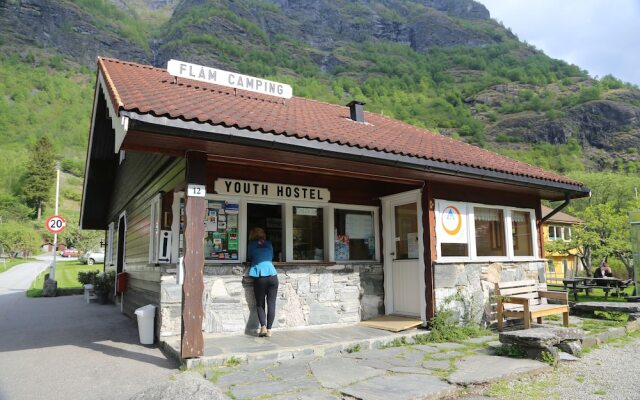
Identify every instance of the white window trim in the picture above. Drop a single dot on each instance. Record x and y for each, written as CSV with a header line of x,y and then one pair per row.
x,y
154,227
109,249
328,211
471,237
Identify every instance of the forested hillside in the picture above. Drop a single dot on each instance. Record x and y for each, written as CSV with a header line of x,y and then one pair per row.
x,y
439,64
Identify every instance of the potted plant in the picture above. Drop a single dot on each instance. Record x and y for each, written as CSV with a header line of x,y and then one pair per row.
x,y
103,286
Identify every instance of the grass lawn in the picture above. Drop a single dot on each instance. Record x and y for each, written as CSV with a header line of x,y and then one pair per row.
x,y
595,294
12,262
67,277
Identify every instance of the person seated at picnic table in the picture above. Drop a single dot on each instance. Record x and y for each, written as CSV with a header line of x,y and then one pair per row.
x,y
603,271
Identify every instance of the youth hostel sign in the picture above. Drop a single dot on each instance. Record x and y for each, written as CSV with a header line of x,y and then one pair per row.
x,y
229,79
272,191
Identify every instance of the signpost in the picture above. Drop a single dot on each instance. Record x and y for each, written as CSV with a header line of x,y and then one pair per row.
x,y
634,222
55,224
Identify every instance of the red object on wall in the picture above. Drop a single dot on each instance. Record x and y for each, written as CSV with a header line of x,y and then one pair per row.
x,y
121,282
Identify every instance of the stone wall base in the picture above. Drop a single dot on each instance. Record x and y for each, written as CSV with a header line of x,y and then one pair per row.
x,y
307,296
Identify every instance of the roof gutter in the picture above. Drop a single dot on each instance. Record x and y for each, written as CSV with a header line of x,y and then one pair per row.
x,y
246,136
557,209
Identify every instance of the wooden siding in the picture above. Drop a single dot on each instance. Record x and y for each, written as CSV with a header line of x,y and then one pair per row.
x,y
139,179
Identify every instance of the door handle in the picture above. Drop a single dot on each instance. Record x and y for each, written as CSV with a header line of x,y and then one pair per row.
x,y
393,253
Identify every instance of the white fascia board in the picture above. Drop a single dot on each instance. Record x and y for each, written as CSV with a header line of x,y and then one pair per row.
x,y
120,124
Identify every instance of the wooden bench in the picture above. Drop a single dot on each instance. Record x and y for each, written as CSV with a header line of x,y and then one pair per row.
x,y
523,300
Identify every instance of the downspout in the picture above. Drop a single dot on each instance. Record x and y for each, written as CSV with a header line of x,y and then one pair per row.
x,y
556,210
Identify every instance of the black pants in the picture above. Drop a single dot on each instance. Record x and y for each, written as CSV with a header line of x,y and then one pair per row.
x,y
266,286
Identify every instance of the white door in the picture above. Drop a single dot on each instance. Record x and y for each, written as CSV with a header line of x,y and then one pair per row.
x,y
404,271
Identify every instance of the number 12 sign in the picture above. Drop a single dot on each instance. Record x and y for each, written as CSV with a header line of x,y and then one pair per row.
x,y
56,224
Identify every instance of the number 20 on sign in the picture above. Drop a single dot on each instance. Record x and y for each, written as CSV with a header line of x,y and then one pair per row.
x,y
56,224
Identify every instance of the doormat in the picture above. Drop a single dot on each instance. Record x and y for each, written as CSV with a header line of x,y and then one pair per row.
x,y
393,323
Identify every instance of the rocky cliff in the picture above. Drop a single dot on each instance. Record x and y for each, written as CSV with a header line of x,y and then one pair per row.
x,y
442,64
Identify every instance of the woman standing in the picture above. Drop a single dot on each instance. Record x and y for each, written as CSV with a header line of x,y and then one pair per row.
x,y
265,278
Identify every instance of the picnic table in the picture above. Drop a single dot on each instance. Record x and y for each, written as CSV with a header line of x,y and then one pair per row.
x,y
586,283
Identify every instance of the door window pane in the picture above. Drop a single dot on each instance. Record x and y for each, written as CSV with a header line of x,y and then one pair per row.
x,y
308,238
489,232
406,231
354,235
521,228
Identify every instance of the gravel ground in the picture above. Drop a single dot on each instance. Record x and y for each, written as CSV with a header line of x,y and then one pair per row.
x,y
611,371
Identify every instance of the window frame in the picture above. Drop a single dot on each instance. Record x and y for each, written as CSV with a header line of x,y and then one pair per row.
x,y
155,211
108,256
471,239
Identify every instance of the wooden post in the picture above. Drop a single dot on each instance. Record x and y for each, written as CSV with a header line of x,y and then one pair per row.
x,y
193,286
429,240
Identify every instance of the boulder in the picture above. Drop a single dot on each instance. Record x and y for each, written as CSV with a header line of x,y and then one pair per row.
x,y
50,288
541,337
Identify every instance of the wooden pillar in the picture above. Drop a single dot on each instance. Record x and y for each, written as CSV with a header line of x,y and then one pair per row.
x,y
193,286
540,231
429,240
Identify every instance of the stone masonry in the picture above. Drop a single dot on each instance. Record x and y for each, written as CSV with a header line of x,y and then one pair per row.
x,y
307,296
467,288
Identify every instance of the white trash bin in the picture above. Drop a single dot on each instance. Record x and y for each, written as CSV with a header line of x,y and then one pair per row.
x,y
146,316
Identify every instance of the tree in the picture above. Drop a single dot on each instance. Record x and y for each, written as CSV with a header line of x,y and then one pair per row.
x,y
604,233
38,181
16,238
83,240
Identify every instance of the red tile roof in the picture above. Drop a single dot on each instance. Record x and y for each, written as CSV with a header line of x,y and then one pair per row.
x,y
148,90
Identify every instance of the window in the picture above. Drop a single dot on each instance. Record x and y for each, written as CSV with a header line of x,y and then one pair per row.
x,y
108,254
566,233
354,235
311,232
452,229
154,229
467,231
521,231
551,266
555,233
269,218
221,230
489,232
308,233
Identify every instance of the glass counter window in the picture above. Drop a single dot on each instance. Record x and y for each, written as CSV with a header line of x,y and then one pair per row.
x,y
308,237
221,230
354,235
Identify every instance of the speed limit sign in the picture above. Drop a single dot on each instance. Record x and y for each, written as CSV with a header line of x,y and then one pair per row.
x,y
56,224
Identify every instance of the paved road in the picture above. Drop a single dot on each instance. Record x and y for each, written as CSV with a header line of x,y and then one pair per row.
x,y
64,348
19,278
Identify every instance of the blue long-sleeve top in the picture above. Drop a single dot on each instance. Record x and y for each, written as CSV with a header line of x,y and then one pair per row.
x,y
261,256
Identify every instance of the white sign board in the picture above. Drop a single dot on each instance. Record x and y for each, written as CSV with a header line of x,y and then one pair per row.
x,y
194,190
275,191
229,79
451,222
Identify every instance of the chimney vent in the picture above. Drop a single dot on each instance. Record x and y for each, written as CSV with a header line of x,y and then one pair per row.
x,y
357,110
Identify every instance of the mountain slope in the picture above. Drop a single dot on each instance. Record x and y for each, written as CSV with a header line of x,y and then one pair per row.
x,y
440,64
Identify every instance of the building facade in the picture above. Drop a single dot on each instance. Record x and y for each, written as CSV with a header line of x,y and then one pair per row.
x,y
559,227
368,215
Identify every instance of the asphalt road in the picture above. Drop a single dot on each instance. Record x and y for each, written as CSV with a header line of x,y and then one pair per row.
x,y
64,348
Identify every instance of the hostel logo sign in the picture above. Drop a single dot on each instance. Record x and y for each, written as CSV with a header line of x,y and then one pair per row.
x,y
452,222
230,79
